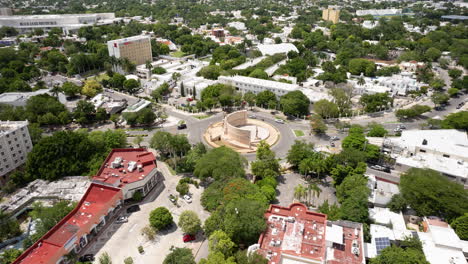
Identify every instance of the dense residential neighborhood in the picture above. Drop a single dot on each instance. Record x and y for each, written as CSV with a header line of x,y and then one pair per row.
x,y
233,132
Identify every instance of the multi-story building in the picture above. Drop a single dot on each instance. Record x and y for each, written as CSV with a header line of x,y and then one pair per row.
x,y
247,84
6,11
67,22
380,12
124,172
15,144
331,14
296,235
137,49
444,150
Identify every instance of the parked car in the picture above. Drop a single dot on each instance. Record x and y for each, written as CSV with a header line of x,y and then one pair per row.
x,y
401,126
397,130
86,258
187,198
182,126
335,138
460,105
380,168
187,238
253,116
332,144
133,208
122,219
172,198
279,121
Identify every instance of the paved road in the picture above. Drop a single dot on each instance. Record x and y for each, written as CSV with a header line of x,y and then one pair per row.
x,y
129,233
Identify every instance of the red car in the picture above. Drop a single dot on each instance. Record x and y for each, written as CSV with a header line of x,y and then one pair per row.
x,y
187,238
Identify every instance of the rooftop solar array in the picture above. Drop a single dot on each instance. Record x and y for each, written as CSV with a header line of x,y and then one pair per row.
x,y
381,243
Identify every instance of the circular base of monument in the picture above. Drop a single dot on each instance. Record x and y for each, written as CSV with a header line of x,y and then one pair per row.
x,y
260,131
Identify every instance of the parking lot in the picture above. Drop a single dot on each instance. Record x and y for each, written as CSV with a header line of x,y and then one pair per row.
x,y
288,182
122,240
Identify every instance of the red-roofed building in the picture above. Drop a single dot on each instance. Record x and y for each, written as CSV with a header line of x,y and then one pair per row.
x,y
124,172
297,235
74,231
131,170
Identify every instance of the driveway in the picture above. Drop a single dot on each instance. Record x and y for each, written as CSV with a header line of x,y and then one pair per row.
x,y
122,241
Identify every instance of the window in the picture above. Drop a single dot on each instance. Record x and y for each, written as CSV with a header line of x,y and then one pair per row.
x,y
422,150
446,156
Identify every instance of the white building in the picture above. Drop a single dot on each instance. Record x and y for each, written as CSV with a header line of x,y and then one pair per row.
x,y
397,84
441,245
67,22
15,144
237,25
272,49
379,12
20,98
381,191
370,24
445,151
247,84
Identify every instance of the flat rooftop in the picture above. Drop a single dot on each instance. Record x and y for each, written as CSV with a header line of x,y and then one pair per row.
x,y
7,127
133,38
54,16
69,188
260,82
124,166
94,204
293,231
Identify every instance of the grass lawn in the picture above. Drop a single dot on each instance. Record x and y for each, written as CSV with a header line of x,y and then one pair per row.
x,y
299,133
201,116
173,172
99,78
177,54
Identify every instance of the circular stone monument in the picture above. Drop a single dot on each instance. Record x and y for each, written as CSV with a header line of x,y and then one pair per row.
x,y
240,133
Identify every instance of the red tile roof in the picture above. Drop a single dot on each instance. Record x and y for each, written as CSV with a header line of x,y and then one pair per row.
x,y
118,177
51,247
302,237
296,233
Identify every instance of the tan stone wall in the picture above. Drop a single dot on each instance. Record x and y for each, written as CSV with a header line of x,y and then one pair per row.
x,y
232,132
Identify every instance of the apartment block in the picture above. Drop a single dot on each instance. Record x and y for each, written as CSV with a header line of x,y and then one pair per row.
x,y
296,235
331,14
15,144
137,49
248,84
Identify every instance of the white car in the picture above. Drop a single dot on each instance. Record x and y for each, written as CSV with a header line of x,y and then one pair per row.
x,y
122,219
279,121
187,198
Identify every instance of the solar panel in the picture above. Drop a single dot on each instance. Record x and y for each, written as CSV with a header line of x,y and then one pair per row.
x,y
381,243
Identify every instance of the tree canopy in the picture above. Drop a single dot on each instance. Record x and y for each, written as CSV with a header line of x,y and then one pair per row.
x,y
220,163
295,103
430,193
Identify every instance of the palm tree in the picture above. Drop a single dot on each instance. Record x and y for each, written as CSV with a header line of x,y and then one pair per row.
x,y
137,140
55,90
149,66
105,259
361,81
300,192
315,189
